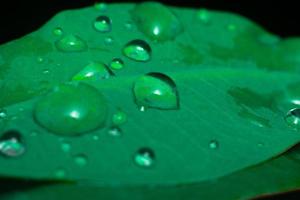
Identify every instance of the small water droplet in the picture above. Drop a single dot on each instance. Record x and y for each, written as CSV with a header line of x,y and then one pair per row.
x,y
11,144
156,21
80,160
117,64
231,27
3,113
46,71
156,90
103,24
93,71
204,16
101,6
137,50
71,43
144,157
95,137
119,118
214,144
115,131
66,147
71,109
57,31
40,59
108,41
60,173
292,118
128,25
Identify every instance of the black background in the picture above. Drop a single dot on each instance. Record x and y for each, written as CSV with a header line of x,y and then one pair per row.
x,y
19,17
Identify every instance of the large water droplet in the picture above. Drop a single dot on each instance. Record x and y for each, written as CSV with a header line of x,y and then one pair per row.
x,y
71,109
137,50
103,24
93,71
156,21
156,90
71,43
292,118
144,157
117,64
11,144
80,160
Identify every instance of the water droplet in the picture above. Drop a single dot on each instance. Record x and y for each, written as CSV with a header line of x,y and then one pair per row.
x,y
95,137
156,90
71,109
71,43
117,64
292,118
40,59
128,25
119,118
144,157
3,113
231,27
11,144
66,147
101,6
60,173
57,31
137,50
108,41
103,24
46,71
214,144
81,160
115,131
93,71
204,16
156,21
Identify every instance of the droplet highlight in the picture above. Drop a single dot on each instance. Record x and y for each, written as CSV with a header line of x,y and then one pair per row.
x,y
71,109
144,157
119,118
156,21
11,144
71,43
213,144
93,71
103,24
115,132
57,31
137,50
204,16
156,90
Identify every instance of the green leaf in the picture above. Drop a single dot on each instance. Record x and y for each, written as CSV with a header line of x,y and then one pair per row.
x,y
204,99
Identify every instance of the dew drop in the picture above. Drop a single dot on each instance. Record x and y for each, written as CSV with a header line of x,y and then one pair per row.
x,y
292,118
11,144
57,31
66,147
204,16
80,160
214,144
115,132
101,6
137,50
156,90
117,64
93,71
156,21
144,157
71,109
71,43
103,24
119,118
108,41
60,173
3,113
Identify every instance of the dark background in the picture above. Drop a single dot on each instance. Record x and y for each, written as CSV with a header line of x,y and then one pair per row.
x,y
19,17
